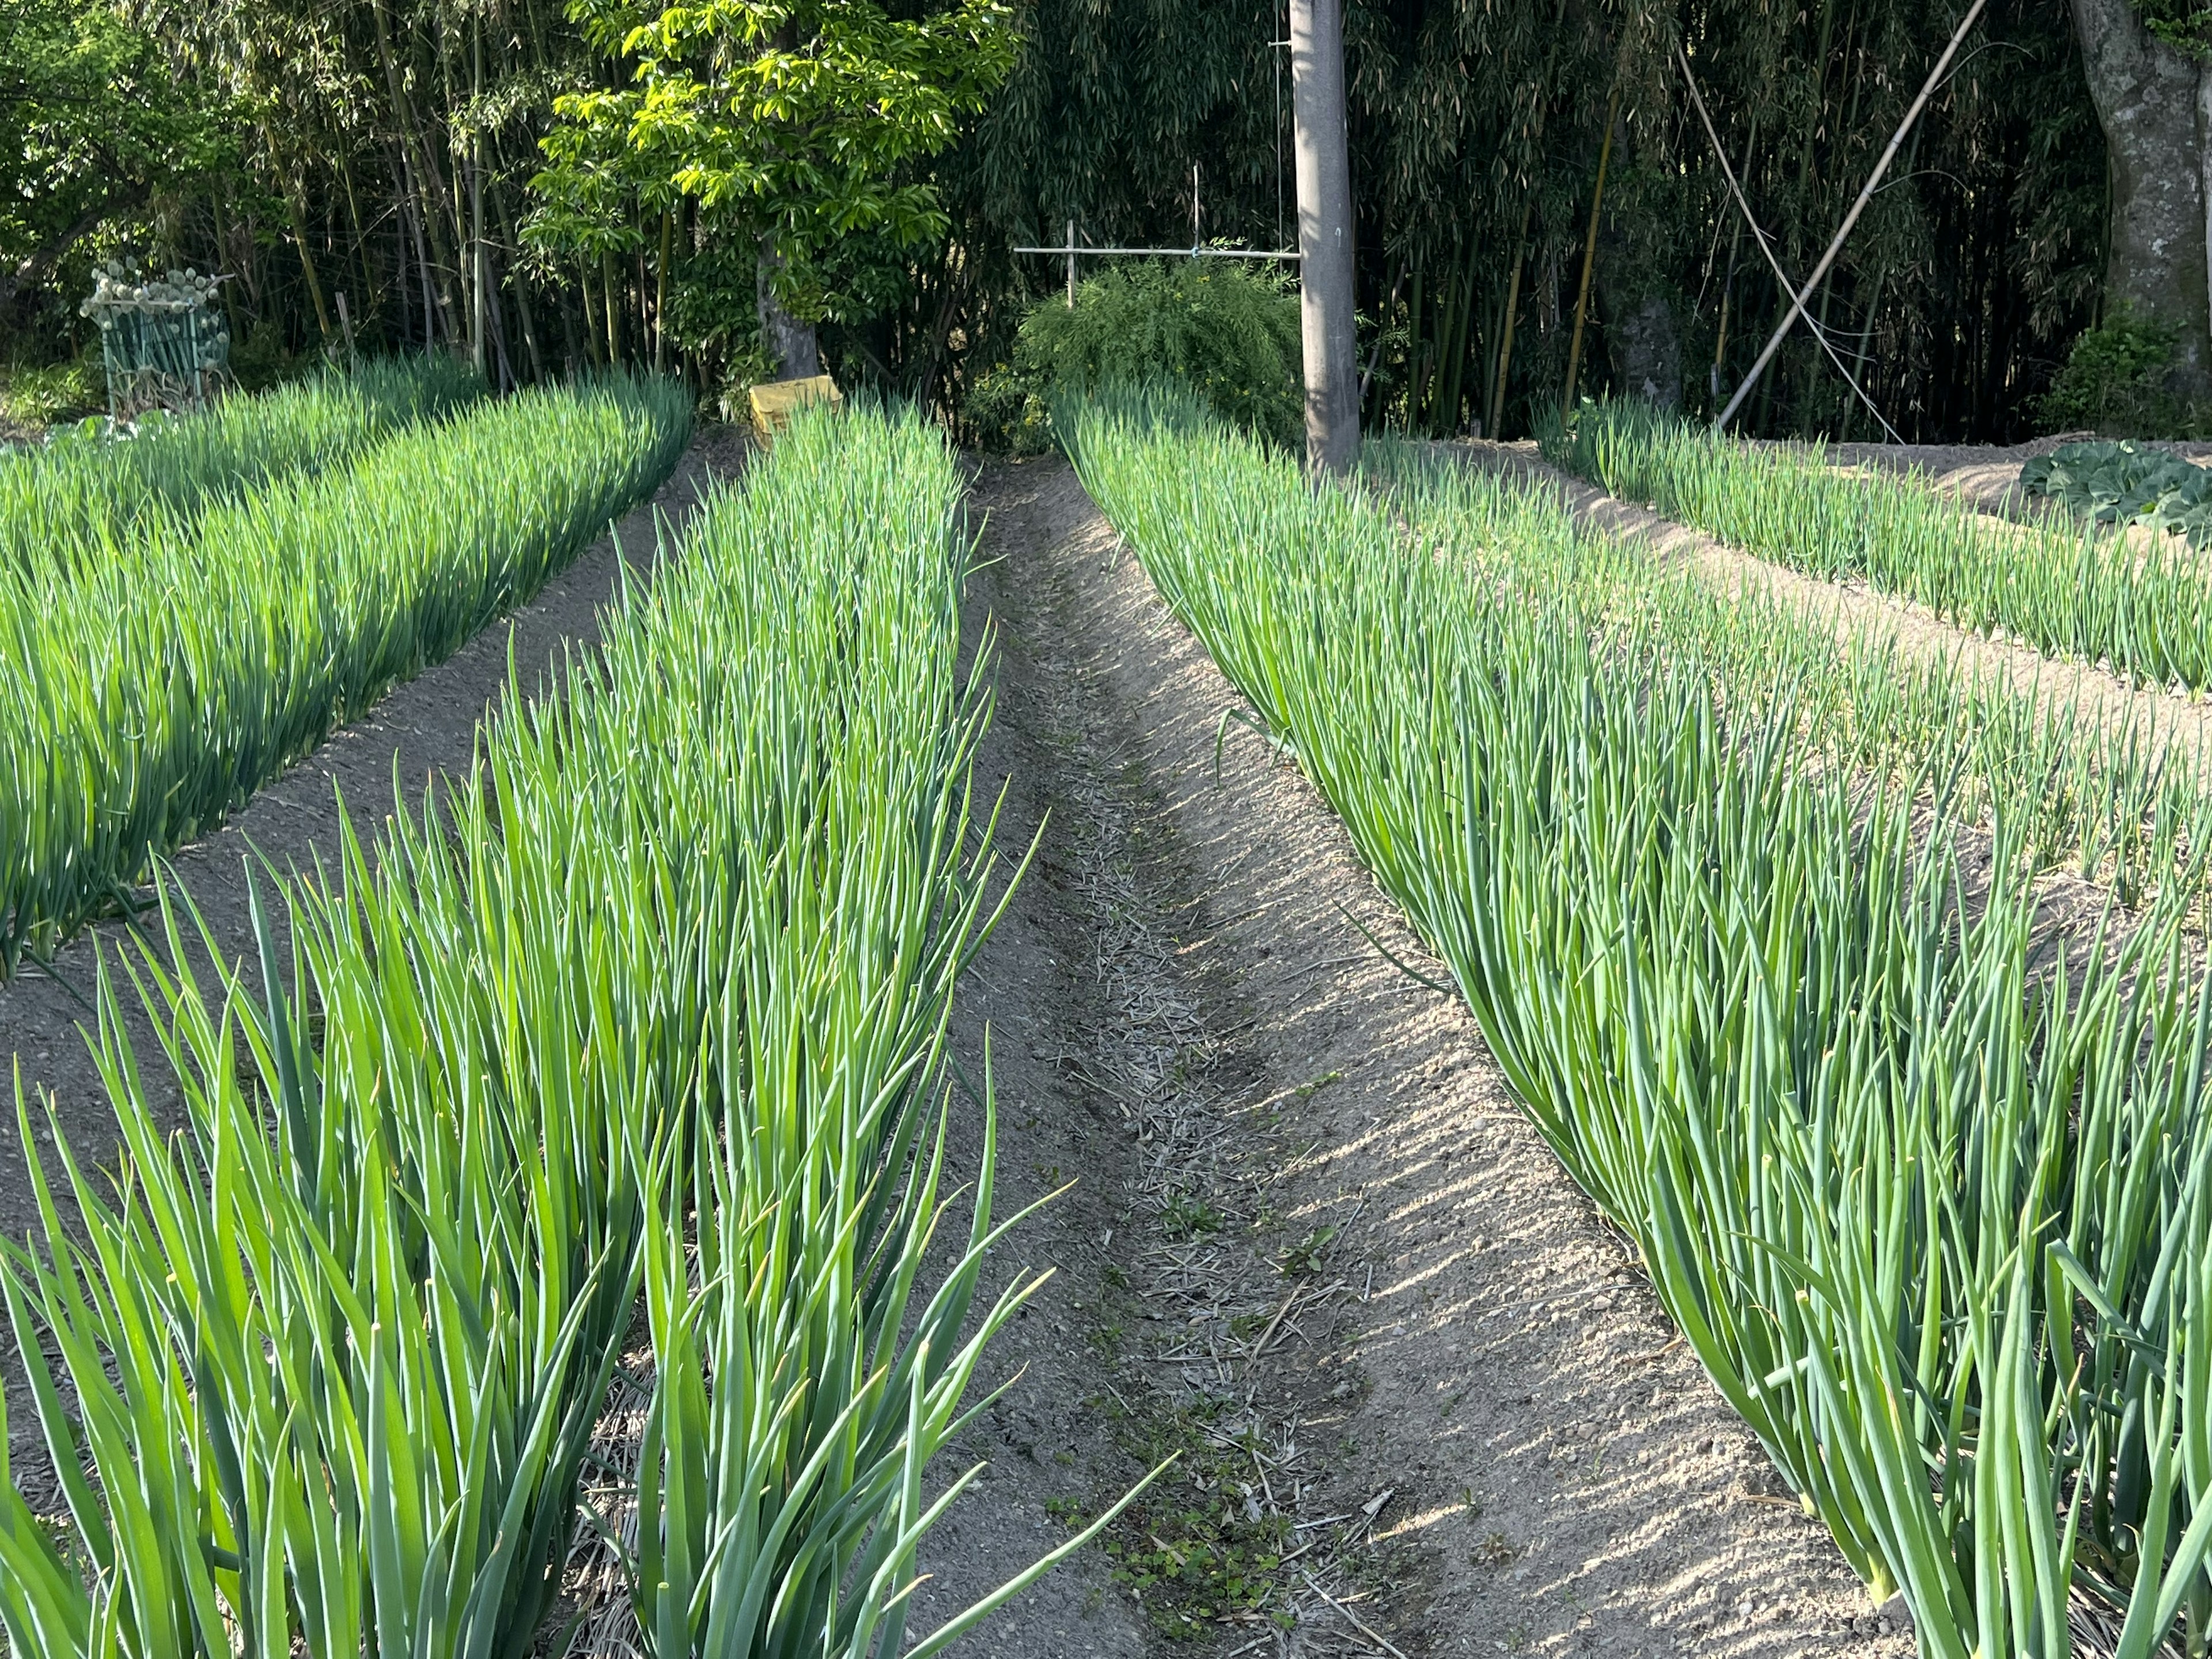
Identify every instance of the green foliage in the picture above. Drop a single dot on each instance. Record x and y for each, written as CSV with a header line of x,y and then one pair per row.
x,y
2115,380
262,361
2184,25
34,396
1930,1199
2125,484
212,642
94,122
793,121
1228,333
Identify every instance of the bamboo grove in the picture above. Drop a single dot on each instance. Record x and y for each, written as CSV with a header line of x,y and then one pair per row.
x,y
385,150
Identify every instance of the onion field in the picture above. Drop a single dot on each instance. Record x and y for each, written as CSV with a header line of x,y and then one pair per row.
x,y
1761,934
59,505
599,1118
224,608
2068,591
653,1006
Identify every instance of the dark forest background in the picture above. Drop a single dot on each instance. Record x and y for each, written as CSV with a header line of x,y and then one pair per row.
x,y
382,152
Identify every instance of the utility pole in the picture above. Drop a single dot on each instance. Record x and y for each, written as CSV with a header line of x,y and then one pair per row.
x,y
1326,317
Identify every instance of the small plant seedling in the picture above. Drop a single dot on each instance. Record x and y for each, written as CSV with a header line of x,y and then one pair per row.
x,y
1304,1257
1186,1217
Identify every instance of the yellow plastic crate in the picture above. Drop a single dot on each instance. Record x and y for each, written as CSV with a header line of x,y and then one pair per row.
x,y
773,402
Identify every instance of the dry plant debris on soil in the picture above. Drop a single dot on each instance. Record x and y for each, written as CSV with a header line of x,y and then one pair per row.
x,y
1425,1403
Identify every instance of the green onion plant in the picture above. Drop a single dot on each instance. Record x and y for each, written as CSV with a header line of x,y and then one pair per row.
x,y
2067,591
1927,1189
2113,807
157,687
65,502
651,1006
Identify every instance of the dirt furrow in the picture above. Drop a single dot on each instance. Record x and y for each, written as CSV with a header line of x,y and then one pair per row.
x,y
2163,718
1313,1246
423,728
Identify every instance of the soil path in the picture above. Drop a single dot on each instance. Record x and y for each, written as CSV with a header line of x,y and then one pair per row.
x,y
422,729
1984,476
1313,1246
2163,718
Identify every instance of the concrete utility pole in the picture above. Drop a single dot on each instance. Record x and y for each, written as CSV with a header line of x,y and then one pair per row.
x,y
1324,178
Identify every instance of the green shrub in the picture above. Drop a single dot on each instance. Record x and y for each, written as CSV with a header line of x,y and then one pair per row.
x,y
263,360
40,396
1228,333
2117,381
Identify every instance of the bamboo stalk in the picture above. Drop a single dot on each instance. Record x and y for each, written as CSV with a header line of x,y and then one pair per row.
x,y
609,288
1590,256
299,225
660,293
1505,339
1842,231
1464,306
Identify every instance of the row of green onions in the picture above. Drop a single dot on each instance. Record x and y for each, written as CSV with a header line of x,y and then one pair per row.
x,y
64,503
2095,598
2112,807
651,1006
154,687
1928,1190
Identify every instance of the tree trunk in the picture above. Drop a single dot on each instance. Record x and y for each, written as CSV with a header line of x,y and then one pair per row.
x,y
1641,332
790,344
2153,103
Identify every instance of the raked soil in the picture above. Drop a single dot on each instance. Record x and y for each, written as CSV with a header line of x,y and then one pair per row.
x,y
1311,1243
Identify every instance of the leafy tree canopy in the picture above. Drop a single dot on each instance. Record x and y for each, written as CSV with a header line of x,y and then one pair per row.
x,y
793,120
93,124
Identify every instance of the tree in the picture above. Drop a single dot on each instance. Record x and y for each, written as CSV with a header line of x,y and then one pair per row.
x,y
793,124
94,127
2148,79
